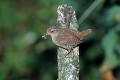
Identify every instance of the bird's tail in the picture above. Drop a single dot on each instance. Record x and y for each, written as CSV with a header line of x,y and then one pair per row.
x,y
85,32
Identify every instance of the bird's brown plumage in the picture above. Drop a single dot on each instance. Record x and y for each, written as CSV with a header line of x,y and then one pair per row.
x,y
67,38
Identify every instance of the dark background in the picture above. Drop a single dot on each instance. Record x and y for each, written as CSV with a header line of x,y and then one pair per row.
x,y
25,55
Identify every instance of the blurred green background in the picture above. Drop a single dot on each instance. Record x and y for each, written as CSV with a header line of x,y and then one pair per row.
x,y
25,55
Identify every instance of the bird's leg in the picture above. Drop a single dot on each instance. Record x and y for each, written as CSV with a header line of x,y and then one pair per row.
x,y
64,56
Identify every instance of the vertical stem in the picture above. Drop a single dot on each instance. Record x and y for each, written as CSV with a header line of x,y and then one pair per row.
x,y
88,11
68,67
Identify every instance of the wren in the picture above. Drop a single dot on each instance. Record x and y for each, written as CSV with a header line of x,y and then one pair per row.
x,y
66,38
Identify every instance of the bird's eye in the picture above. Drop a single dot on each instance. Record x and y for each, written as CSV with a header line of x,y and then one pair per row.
x,y
52,31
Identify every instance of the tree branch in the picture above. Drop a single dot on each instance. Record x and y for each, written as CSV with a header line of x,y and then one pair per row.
x,y
68,67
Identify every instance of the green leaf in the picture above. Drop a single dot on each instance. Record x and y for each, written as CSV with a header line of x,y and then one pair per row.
x,y
110,16
108,43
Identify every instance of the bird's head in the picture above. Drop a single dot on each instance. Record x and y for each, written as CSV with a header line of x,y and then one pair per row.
x,y
52,31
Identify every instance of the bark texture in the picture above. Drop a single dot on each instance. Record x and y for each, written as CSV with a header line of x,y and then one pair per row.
x,y
68,67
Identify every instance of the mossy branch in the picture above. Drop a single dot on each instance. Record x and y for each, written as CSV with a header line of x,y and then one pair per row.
x,y
68,67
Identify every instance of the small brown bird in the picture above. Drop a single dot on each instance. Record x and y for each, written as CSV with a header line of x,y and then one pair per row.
x,y
66,38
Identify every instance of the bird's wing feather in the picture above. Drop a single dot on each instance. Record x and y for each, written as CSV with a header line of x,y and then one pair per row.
x,y
67,40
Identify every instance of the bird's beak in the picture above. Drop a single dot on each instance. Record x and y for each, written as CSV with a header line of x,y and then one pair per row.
x,y
46,34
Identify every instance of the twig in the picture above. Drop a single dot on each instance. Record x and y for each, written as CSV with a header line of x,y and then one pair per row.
x,y
88,11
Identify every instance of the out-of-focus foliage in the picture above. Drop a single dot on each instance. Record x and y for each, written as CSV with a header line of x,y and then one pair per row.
x,y
24,55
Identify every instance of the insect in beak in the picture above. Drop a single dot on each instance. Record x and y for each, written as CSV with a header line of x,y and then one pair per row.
x,y
44,35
